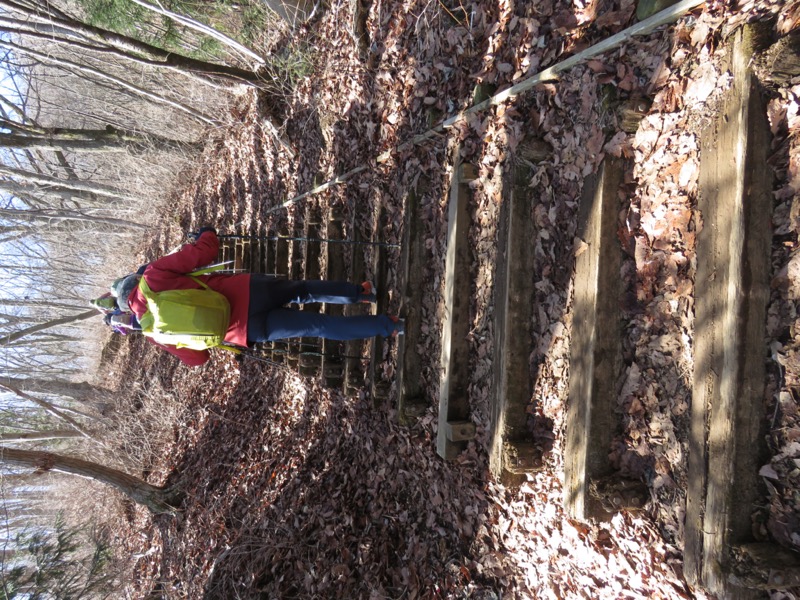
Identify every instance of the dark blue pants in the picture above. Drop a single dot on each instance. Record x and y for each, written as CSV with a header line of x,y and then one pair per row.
x,y
269,319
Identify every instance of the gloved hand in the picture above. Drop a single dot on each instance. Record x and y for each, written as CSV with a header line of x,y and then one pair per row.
x,y
202,230
194,235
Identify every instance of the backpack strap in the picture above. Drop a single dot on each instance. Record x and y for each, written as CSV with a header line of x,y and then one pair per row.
x,y
198,281
147,318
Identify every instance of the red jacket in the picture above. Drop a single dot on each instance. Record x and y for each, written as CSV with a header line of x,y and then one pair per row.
x,y
169,273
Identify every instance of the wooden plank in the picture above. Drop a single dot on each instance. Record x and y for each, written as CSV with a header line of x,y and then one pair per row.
x,y
336,271
453,400
380,267
731,295
278,260
514,295
353,370
596,348
411,401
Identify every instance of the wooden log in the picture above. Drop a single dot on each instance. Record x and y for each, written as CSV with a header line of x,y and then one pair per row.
x,y
596,344
731,294
353,371
412,282
336,271
380,268
453,399
512,385
278,260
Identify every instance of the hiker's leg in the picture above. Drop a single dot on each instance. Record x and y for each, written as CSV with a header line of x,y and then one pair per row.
x,y
283,291
262,300
333,292
287,323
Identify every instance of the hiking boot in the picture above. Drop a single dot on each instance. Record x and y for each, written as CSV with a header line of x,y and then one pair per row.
x,y
367,294
399,325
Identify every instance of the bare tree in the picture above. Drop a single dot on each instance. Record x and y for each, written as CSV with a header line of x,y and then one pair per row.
x,y
37,436
91,70
53,216
77,186
204,29
50,408
18,335
70,30
157,499
82,391
85,140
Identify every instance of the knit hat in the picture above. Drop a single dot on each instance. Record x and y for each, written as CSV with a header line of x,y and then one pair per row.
x,y
122,288
114,285
105,303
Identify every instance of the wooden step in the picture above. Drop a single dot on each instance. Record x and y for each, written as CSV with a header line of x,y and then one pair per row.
x,y
595,345
511,452
353,369
453,400
731,295
411,402
332,367
380,268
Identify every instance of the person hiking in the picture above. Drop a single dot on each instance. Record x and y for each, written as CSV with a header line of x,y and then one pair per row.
x,y
258,311
120,321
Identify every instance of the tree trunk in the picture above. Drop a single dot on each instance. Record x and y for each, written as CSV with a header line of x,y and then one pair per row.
x,y
31,436
82,391
156,499
140,91
78,186
54,216
89,140
17,335
133,47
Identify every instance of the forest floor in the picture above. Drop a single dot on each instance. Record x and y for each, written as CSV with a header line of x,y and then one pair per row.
x,y
296,491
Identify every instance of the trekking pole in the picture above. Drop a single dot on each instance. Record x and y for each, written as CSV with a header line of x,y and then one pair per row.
x,y
279,238
240,351
322,354
267,361
284,366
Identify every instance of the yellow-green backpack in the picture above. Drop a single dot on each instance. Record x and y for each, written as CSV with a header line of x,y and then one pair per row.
x,y
196,318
